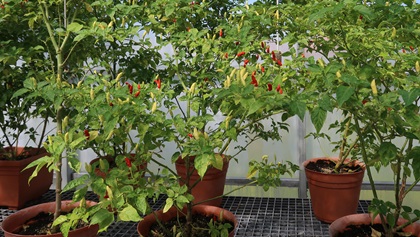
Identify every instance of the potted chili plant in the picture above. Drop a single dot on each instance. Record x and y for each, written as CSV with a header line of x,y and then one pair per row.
x,y
213,88
66,33
371,70
23,123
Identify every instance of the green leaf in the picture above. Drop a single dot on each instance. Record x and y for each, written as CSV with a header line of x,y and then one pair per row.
x,y
318,117
343,94
206,48
169,10
387,152
255,106
201,164
61,219
409,96
65,228
169,203
74,27
74,183
365,11
76,142
20,92
181,200
104,218
129,213
298,108
415,155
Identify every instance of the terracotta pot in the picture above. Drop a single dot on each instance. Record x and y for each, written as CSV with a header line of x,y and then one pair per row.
x,y
333,195
14,188
110,159
15,221
212,185
143,228
340,224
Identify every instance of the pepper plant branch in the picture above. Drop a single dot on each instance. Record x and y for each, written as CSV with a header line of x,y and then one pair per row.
x,y
225,194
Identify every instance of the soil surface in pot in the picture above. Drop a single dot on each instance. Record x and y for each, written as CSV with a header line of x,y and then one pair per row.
x,y
200,226
327,167
40,225
8,154
365,231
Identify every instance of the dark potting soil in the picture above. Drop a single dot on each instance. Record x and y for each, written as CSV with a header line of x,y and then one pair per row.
x,y
39,225
200,226
327,167
365,231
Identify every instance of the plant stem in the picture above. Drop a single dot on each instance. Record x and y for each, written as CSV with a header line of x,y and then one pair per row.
x,y
341,157
58,176
365,160
44,128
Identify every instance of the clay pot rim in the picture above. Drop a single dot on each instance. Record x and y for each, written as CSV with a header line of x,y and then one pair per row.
x,y
366,218
358,162
200,209
25,212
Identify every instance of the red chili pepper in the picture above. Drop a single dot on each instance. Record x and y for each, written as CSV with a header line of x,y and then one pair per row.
x,y
364,101
273,56
158,83
246,61
240,54
262,45
257,56
138,86
111,104
190,135
130,87
174,20
412,48
188,29
137,94
262,69
87,134
267,50
361,17
106,195
128,162
303,55
279,62
237,42
279,90
254,81
270,87
403,50
226,55
221,33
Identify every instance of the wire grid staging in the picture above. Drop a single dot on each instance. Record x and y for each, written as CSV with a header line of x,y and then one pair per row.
x,y
257,217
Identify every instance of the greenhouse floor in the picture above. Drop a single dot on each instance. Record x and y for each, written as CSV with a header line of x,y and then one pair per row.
x,y
256,216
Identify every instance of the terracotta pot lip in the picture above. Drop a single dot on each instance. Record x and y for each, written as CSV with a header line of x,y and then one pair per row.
x,y
201,208
359,218
358,162
42,205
